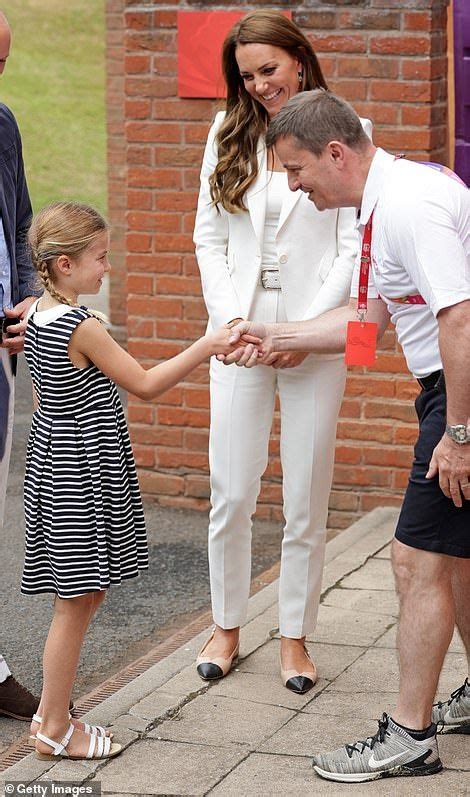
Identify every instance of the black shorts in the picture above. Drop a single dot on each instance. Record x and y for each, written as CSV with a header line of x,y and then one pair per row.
x,y
428,520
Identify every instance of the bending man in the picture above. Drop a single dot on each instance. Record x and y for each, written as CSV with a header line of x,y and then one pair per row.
x,y
420,279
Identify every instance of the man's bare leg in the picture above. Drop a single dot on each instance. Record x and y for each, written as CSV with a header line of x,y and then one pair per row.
x,y
427,617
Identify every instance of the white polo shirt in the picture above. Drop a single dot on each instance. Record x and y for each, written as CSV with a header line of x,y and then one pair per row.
x,y
420,245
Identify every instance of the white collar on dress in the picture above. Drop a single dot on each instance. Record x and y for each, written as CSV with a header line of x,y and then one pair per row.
x,y
43,317
379,168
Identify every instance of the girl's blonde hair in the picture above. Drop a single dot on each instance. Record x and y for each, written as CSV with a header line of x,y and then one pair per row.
x,y
246,120
62,228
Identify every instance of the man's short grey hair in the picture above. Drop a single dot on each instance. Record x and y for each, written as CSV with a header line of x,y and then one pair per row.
x,y
314,118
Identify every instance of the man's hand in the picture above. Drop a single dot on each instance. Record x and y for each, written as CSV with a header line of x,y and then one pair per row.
x,y
284,359
452,462
14,341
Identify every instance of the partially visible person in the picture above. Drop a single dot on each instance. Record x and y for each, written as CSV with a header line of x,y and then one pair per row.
x,y
16,296
85,528
268,254
4,409
15,700
415,223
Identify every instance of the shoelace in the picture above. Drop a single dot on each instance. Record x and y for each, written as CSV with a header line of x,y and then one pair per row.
x,y
454,695
360,746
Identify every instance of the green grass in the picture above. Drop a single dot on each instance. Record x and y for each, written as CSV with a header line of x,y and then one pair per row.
x,y
54,82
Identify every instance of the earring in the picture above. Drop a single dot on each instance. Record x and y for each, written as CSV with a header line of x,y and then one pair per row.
x,y
300,74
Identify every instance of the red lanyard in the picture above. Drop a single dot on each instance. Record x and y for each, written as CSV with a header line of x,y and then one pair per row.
x,y
364,269
414,298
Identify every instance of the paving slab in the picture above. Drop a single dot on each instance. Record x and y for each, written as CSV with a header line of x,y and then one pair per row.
x,y
367,601
346,706
155,706
213,719
265,689
377,527
274,775
346,627
69,771
330,659
27,770
379,667
169,768
307,734
248,736
130,722
454,750
375,574
268,775
365,538
385,553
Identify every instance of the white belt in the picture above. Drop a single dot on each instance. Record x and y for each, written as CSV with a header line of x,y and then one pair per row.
x,y
271,279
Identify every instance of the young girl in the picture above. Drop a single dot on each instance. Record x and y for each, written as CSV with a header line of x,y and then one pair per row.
x,y
84,520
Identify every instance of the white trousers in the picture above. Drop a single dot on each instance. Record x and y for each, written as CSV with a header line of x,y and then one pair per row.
x,y
4,670
242,406
4,466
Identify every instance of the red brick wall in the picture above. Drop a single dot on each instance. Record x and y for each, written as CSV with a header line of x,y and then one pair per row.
x,y
117,162
388,57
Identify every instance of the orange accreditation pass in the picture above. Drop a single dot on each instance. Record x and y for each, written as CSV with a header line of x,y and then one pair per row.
x,y
361,343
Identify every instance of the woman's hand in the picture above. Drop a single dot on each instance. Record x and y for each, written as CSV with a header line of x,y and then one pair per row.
x,y
244,334
285,359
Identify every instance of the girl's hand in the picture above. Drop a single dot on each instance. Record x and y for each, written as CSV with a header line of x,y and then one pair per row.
x,y
219,341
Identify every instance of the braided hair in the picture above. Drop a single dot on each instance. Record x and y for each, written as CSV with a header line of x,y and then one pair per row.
x,y
62,228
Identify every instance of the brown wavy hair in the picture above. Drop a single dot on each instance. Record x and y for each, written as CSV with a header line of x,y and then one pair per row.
x,y
246,119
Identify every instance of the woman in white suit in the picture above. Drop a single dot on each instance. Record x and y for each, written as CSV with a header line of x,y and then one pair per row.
x,y
266,253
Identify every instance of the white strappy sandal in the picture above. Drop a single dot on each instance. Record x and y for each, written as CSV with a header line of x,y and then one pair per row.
x,y
99,747
93,730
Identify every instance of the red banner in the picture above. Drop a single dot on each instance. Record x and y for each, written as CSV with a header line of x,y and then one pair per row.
x,y
200,38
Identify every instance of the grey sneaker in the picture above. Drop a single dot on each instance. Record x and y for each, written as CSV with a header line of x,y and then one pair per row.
x,y
455,712
391,752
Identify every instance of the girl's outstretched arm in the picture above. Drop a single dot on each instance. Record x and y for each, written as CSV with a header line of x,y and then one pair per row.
x,y
91,339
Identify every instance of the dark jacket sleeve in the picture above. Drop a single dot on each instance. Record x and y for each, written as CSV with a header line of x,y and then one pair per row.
x,y
27,277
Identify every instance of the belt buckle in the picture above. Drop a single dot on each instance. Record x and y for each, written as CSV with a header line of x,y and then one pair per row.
x,y
270,279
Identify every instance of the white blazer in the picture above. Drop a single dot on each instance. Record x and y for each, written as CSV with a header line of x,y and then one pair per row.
x,y
316,249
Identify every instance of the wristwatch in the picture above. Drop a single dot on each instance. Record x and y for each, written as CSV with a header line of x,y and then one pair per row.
x,y
459,433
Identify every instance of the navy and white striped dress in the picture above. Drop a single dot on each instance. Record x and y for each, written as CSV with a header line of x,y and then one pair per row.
x,y
85,525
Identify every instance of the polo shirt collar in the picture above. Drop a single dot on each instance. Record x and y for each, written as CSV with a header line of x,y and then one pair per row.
x,y
379,168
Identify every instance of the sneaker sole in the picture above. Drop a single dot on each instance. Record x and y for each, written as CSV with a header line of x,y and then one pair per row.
x,y
362,777
463,728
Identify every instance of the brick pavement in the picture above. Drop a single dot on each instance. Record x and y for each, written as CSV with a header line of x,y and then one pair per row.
x,y
247,735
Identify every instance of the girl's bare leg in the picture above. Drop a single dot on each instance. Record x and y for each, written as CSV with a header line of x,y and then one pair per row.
x,y
71,619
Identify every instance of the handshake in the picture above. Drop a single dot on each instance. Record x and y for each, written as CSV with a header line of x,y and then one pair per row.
x,y
250,343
